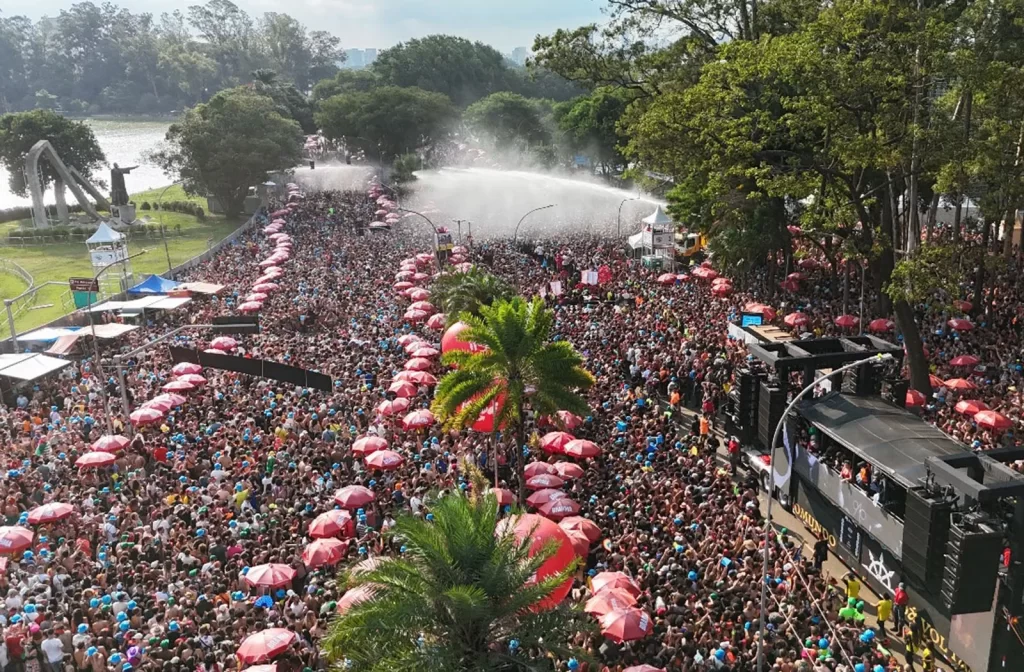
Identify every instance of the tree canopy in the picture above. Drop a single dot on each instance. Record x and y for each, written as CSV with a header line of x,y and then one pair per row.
x,y
507,120
73,140
387,120
223,147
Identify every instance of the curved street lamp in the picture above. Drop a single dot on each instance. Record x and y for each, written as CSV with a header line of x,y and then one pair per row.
x,y
618,218
516,234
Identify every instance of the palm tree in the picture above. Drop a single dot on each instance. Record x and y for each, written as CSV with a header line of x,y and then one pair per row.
x,y
521,362
457,599
457,293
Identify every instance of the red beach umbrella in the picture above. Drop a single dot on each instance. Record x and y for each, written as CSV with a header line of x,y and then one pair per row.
x,y
385,460
965,360
543,481
323,552
581,448
556,509
418,419
554,442
369,444
15,539
992,420
96,459
270,575
111,443
608,600
970,407
626,626
354,496
583,525
333,523
265,645
48,513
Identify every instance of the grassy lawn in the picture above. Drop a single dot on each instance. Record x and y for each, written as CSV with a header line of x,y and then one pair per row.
x,y
186,238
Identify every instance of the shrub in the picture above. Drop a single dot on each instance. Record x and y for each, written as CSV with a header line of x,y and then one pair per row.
x,y
145,205
200,213
156,205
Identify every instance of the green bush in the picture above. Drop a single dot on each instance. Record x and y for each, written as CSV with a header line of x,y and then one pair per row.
x,y
200,213
145,205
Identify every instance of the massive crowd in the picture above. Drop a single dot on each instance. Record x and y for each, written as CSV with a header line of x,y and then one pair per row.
x,y
150,569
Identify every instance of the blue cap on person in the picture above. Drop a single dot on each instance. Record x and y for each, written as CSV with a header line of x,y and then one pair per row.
x,y
822,643
859,667
173,626
430,517
94,602
720,654
692,575
573,664
123,616
83,628
132,604
126,667
91,651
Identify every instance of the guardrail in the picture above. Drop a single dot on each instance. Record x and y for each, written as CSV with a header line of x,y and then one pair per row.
x,y
74,317
14,268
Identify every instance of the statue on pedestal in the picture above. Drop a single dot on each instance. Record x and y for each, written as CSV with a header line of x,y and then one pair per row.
x,y
118,192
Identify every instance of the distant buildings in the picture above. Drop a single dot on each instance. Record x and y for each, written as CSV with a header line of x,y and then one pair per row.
x,y
519,55
357,59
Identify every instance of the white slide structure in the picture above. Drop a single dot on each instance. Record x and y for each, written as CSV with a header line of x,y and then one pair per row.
x,y
66,176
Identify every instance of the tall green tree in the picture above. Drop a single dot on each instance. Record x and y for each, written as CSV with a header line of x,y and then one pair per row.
x,y
73,140
521,362
344,81
387,121
290,102
463,71
591,126
458,293
223,147
507,120
454,599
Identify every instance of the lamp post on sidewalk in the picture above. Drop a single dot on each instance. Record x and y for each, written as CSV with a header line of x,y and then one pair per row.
x,y
515,235
874,359
96,343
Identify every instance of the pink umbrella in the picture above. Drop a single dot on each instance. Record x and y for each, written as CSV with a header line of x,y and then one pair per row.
x,y
194,379
171,397
403,285
15,539
544,481
970,407
162,405
415,316
369,444
420,277
584,525
565,419
723,289
636,668
95,459
797,276
581,448
268,262
403,389
323,552
263,287
426,352
965,306
413,346
48,513
436,321
614,580
357,595
143,416
568,470
847,321
111,443
424,257
425,306
554,442
418,419
259,297
333,523
385,460
538,468
400,405
626,626
960,384
541,497
354,496
418,364
178,386
958,324
881,325
809,264
224,343
251,307
419,295
667,279
557,509
796,319
608,600
417,377
404,275
270,575
965,360
992,420
504,496
915,399
185,368
265,645
406,339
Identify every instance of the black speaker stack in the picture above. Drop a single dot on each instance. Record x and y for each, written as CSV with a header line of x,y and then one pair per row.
x,y
925,534
746,402
894,390
862,381
972,565
771,402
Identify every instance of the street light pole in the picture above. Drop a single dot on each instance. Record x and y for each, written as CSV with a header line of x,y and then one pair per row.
x,y
874,359
433,228
515,235
163,232
96,343
618,218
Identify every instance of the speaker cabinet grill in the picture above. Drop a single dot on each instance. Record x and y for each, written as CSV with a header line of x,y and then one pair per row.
x,y
771,403
972,565
925,533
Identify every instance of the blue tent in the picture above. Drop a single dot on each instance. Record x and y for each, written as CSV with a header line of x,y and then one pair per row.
x,y
154,284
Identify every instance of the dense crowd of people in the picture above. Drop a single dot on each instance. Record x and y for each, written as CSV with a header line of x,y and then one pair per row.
x,y
149,571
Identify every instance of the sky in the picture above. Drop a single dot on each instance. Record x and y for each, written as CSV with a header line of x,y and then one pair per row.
x,y
504,24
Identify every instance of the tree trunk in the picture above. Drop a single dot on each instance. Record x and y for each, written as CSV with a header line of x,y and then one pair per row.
x,y
62,204
772,269
518,454
979,276
1008,222
846,289
916,360
933,214
957,213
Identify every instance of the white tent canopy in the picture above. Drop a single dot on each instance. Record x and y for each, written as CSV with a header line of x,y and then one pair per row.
x,y
636,241
29,366
158,302
104,234
658,217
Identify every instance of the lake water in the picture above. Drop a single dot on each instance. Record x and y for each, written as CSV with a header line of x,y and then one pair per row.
x,y
125,143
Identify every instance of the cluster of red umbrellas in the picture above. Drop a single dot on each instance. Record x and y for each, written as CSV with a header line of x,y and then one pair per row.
x,y
613,604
